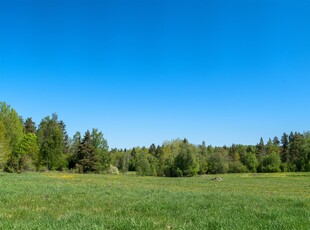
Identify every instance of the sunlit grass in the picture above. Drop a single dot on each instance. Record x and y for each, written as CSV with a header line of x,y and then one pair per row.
x,y
74,201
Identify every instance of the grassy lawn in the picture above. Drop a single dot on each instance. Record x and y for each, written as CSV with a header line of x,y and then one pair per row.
x,y
73,201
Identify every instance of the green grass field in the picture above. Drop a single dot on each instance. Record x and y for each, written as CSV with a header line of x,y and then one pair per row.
x,y
73,201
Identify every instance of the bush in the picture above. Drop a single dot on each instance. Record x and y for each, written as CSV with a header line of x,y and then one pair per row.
x,y
112,170
237,167
143,167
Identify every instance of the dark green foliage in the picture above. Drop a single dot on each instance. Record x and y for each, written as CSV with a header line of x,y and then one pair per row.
x,y
284,149
295,152
132,160
236,167
87,158
143,167
261,151
304,157
218,161
65,140
30,126
276,141
153,150
23,148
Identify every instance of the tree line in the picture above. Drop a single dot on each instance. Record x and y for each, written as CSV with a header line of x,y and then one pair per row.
x,y
47,146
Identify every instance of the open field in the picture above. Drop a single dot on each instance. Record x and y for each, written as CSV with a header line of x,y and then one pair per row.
x,y
73,201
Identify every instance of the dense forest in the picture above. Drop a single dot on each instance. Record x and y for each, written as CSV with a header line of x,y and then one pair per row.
x,y
27,147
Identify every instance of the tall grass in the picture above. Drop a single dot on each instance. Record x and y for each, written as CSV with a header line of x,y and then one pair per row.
x,y
71,201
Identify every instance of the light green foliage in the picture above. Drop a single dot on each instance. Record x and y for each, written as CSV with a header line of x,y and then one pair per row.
x,y
4,148
50,138
28,146
26,154
272,163
250,161
202,158
13,126
101,148
76,201
123,161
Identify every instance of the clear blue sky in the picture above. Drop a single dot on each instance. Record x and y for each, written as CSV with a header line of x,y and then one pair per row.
x,y
145,71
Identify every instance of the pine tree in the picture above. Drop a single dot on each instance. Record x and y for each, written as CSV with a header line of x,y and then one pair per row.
x,y
152,150
65,139
284,151
261,150
87,158
276,141
30,126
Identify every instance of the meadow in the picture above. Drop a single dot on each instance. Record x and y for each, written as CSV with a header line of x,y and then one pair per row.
x,y
73,201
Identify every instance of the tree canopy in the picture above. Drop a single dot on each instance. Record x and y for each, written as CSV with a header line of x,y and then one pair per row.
x,y
26,147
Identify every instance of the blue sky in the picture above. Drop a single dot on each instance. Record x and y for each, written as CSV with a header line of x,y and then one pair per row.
x,y
145,71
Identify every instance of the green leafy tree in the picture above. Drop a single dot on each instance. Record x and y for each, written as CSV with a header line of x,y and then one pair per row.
x,y
272,163
303,159
143,167
74,147
13,126
4,147
202,158
236,167
217,161
50,139
101,149
185,163
26,154
123,163
250,161
305,156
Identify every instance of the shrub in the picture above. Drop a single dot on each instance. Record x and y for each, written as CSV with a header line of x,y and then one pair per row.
x,y
237,167
112,170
